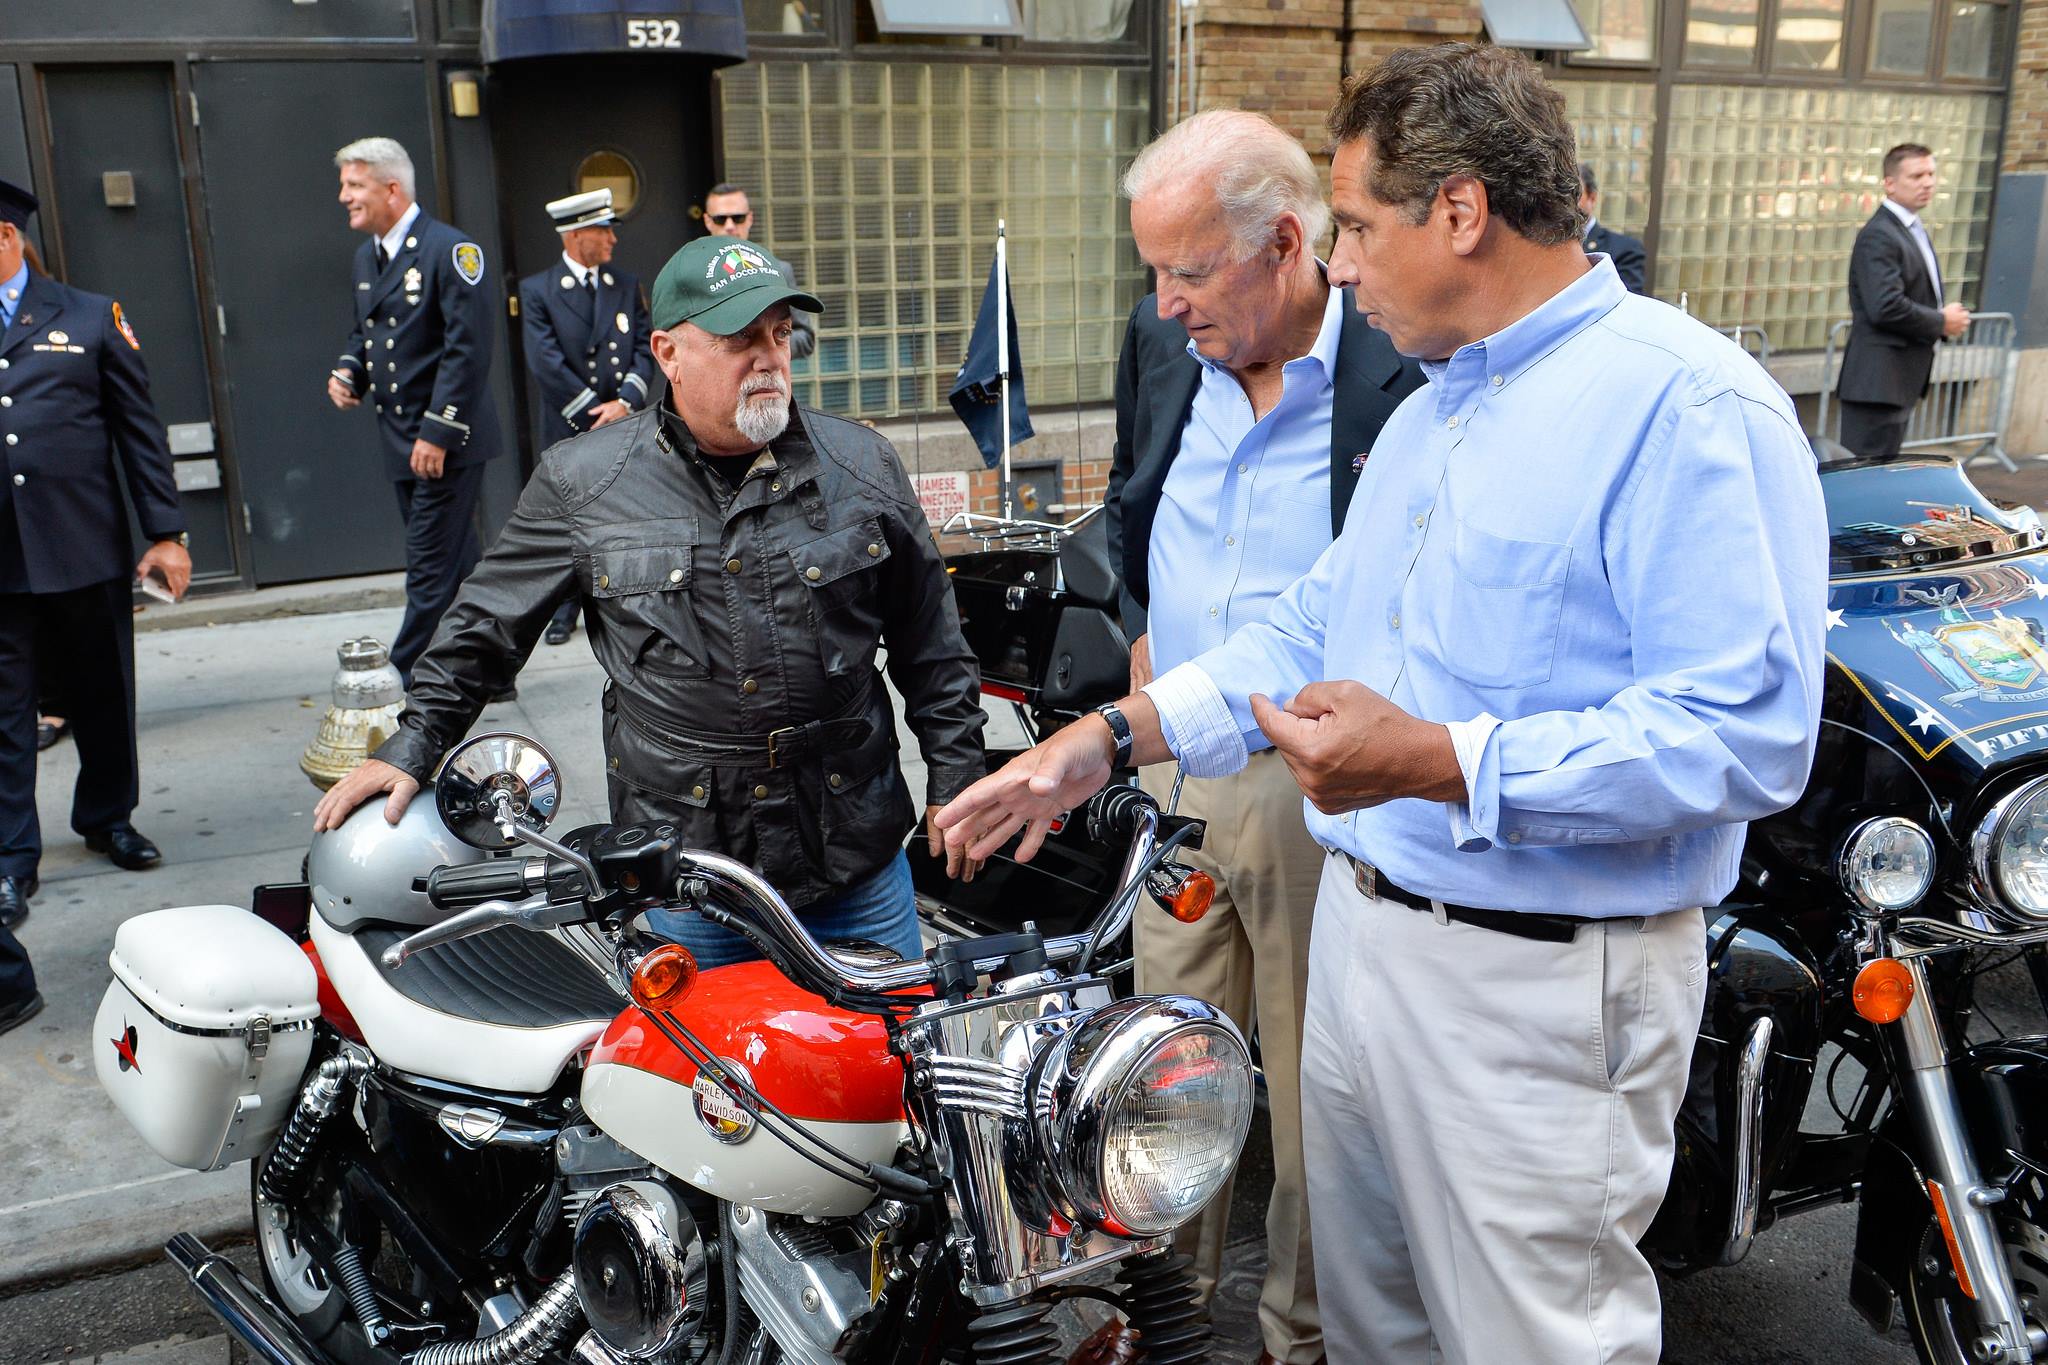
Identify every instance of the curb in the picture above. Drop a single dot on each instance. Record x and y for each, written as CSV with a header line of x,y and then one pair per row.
x,y
72,1237
373,592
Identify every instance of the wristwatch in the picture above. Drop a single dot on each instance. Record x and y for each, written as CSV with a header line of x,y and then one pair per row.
x,y
1119,730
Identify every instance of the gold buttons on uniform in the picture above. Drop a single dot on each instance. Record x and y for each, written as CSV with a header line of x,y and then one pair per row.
x,y
732,566
814,573
874,550
675,575
760,793
696,793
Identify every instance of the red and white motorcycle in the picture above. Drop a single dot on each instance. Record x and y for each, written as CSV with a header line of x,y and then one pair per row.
x,y
489,1124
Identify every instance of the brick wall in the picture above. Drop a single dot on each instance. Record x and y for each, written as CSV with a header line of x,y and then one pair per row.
x,y
2026,121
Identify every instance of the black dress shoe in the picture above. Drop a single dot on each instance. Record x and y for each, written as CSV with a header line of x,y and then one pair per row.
x,y
126,846
558,632
21,1011
49,732
14,894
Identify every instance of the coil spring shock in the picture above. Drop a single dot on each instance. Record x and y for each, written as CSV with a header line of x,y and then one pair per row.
x,y
362,1298
286,1168
1164,1308
1015,1335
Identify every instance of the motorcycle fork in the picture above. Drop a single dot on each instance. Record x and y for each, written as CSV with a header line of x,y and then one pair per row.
x,y
1961,1198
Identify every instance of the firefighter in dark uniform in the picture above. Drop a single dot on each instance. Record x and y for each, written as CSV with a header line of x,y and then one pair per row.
x,y
586,339
421,356
76,422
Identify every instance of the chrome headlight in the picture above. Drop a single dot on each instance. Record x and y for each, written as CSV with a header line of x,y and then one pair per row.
x,y
640,1270
1887,864
1142,1111
2009,852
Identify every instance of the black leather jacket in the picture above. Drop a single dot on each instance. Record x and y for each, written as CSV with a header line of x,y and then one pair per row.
x,y
720,624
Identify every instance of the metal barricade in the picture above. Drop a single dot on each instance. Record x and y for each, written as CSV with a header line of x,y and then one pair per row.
x,y
1969,392
1754,340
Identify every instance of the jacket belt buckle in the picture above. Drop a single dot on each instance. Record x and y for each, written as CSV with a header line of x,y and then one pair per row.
x,y
773,735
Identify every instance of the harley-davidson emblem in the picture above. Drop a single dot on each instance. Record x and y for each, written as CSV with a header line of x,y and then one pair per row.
x,y
124,1050
720,1114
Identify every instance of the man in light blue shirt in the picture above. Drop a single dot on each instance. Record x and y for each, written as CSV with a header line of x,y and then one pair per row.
x,y
1569,642
1247,394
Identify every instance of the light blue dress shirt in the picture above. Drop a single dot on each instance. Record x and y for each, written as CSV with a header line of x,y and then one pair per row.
x,y
1593,545
1245,509
10,296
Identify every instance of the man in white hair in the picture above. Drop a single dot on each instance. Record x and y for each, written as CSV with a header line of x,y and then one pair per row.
x,y
1247,398
420,354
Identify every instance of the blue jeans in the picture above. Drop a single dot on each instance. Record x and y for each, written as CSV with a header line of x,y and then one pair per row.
x,y
880,910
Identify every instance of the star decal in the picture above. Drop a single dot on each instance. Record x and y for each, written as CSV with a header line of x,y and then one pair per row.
x,y
1924,719
2039,587
1834,617
124,1048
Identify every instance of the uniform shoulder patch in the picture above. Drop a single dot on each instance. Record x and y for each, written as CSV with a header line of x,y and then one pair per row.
x,y
127,332
469,261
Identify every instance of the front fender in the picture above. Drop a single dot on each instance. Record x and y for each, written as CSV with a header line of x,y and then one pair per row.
x,y
2003,1089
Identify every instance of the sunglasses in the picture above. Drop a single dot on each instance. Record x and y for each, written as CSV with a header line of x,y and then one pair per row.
x,y
728,219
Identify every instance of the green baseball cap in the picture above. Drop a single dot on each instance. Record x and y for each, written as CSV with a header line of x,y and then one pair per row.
x,y
722,284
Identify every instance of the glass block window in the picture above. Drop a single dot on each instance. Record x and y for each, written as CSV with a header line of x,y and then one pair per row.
x,y
1615,122
1765,188
881,184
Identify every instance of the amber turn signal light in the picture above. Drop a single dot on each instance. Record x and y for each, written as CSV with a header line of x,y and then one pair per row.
x,y
664,978
1883,990
1191,899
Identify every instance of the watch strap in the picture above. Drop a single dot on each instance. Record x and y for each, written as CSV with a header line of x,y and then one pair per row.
x,y
1119,730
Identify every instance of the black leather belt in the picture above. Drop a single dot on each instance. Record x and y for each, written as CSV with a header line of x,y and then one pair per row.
x,y
1522,924
772,750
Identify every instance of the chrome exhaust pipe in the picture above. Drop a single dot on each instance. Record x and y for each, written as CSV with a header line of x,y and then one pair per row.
x,y
243,1308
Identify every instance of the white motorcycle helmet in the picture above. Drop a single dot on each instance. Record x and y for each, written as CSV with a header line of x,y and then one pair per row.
x,y
362,873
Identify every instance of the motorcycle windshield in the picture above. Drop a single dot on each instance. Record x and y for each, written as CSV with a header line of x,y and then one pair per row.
x,y
1916,512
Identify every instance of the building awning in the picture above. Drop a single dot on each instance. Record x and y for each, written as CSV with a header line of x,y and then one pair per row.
x,y
1546,25
515,29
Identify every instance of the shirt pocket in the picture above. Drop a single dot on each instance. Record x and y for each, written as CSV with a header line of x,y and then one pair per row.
x,y
835,568
643,598
1504,601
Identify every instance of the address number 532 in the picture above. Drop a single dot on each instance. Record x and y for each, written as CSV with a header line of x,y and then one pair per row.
x,y
654,33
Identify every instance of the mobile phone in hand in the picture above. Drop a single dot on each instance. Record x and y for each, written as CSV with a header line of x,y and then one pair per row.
x,y
157,588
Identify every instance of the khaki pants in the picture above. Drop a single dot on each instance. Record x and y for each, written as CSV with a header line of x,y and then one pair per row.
x,y
1488,1130
1249,957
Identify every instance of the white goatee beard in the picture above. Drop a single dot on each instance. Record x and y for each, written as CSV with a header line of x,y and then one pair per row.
x,y
762,422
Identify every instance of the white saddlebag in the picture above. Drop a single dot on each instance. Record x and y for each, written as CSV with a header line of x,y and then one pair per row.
x,y
205,1031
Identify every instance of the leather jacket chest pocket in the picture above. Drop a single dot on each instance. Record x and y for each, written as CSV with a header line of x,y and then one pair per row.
x,y
643,598
1500,608
834,567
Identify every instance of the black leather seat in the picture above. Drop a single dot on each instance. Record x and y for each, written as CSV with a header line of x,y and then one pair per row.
x,y
509,976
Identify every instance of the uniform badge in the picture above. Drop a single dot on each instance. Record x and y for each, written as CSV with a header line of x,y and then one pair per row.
x,y
60,338
412,280
469,261
624,326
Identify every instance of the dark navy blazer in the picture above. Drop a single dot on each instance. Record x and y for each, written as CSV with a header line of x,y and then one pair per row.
x,y
580,355
420,354
74,409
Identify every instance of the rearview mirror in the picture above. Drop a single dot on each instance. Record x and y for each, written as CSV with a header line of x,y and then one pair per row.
x,y
490,779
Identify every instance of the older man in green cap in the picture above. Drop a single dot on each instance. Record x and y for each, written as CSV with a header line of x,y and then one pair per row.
x,y
741,559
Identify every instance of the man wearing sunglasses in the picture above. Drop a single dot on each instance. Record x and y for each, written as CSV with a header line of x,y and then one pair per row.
x,y
729,213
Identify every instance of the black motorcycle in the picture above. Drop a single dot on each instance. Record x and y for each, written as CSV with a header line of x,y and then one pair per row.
x,y
1845,969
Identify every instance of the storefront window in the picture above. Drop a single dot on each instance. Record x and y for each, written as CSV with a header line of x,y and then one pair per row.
x,y
786,18
881,184
1765,188
1808,36
1901,36
1078,21
1720,33
1976,40
1620,30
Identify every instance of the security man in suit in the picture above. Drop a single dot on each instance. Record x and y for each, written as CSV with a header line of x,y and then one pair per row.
x,y
421,354
1895,309
586,336
1625,251
76,423
1248,396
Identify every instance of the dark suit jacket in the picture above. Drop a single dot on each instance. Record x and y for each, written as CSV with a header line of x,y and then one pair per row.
x,y
420,353
1895,316
1630,261
579,360
1156,380
78,411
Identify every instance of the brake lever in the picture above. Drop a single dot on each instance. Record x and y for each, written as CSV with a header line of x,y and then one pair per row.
x,y
535,912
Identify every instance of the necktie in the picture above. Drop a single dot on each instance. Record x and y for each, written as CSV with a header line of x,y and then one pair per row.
x,y
383,258
1927,248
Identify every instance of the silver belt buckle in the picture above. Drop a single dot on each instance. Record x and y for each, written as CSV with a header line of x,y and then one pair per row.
x,y
1365,877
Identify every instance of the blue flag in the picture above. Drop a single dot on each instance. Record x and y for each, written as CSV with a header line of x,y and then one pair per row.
x,y
977,390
